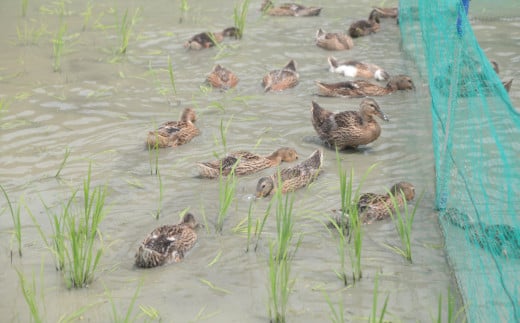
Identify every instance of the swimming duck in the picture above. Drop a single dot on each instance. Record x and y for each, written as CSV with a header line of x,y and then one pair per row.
x,y
385,12
174,133
289,9
245,162
279,80
167,243
498,239
222,78
292,178
348,129
361,88
209,39
375,207
333,41
357,69
365,27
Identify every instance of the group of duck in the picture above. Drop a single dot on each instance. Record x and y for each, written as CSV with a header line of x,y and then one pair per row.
x,y
347,129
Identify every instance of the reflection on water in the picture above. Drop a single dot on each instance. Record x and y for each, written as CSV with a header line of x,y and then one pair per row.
x,y
101,106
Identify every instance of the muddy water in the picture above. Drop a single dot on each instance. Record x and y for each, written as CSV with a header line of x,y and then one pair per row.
x,y
100,106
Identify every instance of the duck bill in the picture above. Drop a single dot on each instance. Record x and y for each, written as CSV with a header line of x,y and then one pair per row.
x,y
383,116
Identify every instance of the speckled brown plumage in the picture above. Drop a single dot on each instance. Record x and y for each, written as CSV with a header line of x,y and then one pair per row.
x,y
362,88
333,41
292,178
348,129
375,207
385,12
289,9
245,162
279,80
365,27
209,39
167,243
354,68
174,133
222,78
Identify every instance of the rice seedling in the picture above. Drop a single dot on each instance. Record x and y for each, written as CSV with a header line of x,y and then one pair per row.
x,y
15,216
184,5
159,207
226,191
342,248
125,29
337,315
29,292
65,157
373,318
172,76
223,134
214,287
25,3
239,16
280,286
284,225
259,227
87,15
127,316
451,315
4,104
403,221
249,224
58,44
153,154
82,233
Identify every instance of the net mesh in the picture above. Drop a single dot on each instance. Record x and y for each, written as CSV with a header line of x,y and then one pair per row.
x,y
476,140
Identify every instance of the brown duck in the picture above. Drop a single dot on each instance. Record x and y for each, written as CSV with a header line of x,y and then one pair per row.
x,y
167,243
385,12
333,41
245,163
348,129
357,69
279,80
292,178
209,39
361,88
375,207
222,78
289,9
365,27
174,133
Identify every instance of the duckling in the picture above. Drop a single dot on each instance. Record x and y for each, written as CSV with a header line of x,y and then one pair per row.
x,y
209,39
222,78
333,41
167,243
365,27
292,178
348,129
245,163
385,12
279,80
289,9
174,133
357,69
375,207
361,88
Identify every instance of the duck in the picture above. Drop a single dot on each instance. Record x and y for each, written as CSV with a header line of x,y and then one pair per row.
x,y
174,133
348,129
385,12
357,69
279,80
209,39
376,207
245,162
362,88
365,27
168,243
289,9
222,78
333,41
498,239
291,178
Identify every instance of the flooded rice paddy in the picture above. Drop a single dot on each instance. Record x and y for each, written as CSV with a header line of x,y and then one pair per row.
x,y
99,106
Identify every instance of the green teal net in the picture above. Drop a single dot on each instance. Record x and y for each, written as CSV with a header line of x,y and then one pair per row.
x,y
476,140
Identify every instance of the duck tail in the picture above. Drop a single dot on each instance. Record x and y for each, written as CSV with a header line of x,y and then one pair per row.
x,y
206,171
333,62
319,115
